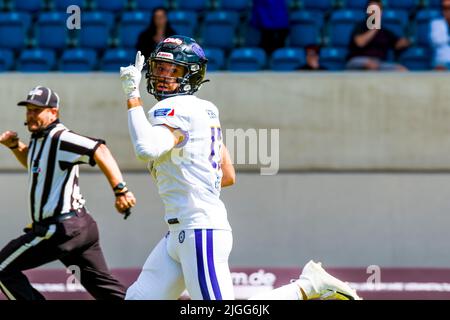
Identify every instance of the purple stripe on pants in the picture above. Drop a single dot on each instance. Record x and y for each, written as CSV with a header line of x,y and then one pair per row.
x,y
211,267
200,266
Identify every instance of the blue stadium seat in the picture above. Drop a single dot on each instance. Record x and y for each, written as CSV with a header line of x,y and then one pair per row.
x,y
247,59
28,5
110,5
395,20
408,5
356,4
6,59
195,5
287,59
51,30
62,5
146,5
183,22
234,5
216,59
323,5
131,25
95,30
219,29
252,36
305,28
333,59
13,29
423,19
341,26
113,59
78,60
433,4
35,60
416,59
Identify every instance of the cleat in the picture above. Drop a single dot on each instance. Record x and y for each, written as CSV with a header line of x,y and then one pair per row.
x,y
324,285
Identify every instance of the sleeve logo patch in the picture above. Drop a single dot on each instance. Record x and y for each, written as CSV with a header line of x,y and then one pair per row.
x,y
211,114
166,112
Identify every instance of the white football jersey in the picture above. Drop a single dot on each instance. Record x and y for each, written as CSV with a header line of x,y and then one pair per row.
x,y
189,176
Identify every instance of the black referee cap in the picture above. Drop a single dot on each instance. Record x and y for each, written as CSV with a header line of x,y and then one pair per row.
x,y
41,97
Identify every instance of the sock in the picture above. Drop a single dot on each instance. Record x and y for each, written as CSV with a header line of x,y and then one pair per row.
x,y
288,292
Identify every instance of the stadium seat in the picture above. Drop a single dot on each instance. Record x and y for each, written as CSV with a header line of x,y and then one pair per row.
x,y
183,22
195,5
305,28
334,59
408,5
95,30
216,59
219,29
35,60
395,20
78,60
146,5
323,5
247,59
131,25
28,5
51,30
423,19
342,23
6,59
234,5
416,59
13,29
287,59
356,4
113,59
251,36
433,4
62,5
110,5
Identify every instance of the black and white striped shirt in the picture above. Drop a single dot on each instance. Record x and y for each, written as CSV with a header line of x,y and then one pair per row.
x,y
53,158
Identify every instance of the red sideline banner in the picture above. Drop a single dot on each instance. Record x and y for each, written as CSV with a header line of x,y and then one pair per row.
x,y
373,283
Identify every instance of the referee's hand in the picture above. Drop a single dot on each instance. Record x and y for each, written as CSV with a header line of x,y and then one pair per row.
x,y
9,138
125,201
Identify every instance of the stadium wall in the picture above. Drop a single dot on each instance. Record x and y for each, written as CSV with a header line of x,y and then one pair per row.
x,y
359,214
337,121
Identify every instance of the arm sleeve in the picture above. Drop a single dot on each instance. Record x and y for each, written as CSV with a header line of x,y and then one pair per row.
x,y
149,142
77,149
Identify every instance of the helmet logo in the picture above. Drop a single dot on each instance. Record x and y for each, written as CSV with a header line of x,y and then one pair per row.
x,y
173,40
198,51
166,55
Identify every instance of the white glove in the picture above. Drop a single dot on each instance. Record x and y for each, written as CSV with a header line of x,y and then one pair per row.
x,y
131,77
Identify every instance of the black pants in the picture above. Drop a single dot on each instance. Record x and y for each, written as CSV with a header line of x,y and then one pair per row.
x,y
75,242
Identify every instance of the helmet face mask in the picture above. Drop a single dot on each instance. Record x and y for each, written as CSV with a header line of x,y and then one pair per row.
x,y
176,67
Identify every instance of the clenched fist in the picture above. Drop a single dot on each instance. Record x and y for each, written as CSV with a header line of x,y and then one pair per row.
x,y
9,139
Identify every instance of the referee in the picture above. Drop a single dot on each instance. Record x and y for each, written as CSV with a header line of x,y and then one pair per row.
x,y
62,227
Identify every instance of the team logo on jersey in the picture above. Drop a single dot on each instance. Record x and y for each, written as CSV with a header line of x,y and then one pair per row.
x,y
166,112
211,114
181,236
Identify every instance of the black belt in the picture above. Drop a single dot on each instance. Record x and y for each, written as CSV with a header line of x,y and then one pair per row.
x,y
58,218
173,221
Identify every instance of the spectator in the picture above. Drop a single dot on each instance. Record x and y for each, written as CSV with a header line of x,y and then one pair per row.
x,y
271,17
369,48
312,59
440,38
158,29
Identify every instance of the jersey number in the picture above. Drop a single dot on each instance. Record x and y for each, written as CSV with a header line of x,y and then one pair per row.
x,y
216,144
